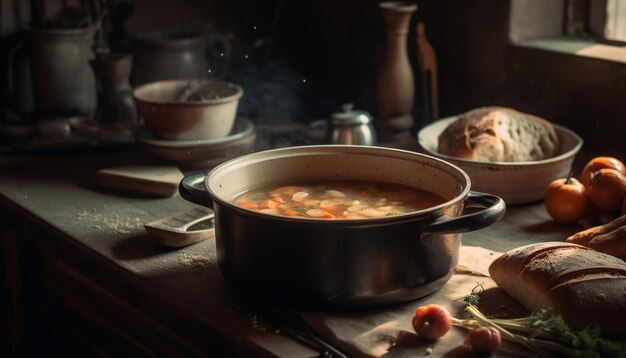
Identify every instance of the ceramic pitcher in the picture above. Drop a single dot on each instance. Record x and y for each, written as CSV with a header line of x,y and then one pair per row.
x,y
168,56
63,81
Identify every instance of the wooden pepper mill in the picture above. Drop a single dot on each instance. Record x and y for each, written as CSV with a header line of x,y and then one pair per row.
x,y
396,85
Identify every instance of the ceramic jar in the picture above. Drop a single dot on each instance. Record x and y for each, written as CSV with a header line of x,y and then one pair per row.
x,y
63,81
396,86
168,56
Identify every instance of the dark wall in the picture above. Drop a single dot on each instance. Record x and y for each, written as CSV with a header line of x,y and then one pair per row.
x,y
340,47
299,60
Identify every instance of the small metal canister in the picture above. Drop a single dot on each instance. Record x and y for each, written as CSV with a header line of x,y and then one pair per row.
x,y
351,127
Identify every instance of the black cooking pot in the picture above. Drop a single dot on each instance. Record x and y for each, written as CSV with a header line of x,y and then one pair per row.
x,y
313,262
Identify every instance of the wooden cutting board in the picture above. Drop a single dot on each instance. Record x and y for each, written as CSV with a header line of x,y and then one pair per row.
x,y
161,181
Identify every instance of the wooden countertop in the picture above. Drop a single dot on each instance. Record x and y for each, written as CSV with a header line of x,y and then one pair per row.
x,y
53,201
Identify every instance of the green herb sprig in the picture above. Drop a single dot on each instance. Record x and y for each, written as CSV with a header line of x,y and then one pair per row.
x,y
543,332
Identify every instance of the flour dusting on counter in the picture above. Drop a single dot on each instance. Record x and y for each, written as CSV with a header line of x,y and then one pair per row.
x,y
119,221
192,260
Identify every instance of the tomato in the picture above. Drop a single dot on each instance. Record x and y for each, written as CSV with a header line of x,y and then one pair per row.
x,y
484,339
431,321
598,163
607,189
566,200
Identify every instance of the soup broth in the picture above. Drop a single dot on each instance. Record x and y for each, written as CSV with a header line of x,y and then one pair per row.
x,y
338,199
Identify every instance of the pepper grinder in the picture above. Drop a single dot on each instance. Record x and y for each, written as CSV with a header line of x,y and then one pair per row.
x,y
396,85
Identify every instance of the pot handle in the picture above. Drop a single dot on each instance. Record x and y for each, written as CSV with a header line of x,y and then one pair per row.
x,y
191,188
493,210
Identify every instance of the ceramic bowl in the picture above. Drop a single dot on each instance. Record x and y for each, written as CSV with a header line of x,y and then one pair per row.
x,y
188,109
515,182
200,154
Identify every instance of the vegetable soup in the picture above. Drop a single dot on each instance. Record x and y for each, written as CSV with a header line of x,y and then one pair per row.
x,y
338,199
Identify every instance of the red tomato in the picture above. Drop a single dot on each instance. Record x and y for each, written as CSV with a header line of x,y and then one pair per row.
x,y
607,189
431,321
484,339
598,163
566,200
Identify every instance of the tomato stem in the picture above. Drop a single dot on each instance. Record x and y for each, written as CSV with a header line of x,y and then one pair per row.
x,y
569,178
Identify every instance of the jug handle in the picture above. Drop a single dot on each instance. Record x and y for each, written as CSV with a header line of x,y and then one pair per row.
x,y
223,43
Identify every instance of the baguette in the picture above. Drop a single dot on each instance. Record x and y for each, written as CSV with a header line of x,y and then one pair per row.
x,y
499,134
586,287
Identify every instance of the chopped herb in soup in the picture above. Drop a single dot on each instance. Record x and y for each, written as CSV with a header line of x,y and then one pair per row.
x,y
338,200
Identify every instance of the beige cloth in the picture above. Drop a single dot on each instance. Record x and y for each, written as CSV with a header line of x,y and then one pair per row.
x,y
388,332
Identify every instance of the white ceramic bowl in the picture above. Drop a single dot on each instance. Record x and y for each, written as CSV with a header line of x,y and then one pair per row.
x,y
167,115
200,154
515,182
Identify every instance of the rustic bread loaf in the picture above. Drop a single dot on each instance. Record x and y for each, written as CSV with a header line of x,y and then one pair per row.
x,y
585,286
499,134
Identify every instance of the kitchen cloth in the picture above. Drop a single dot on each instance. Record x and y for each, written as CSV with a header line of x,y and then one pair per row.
x,y
388,332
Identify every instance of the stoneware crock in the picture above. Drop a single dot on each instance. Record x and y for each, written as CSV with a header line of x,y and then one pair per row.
x,y
310,262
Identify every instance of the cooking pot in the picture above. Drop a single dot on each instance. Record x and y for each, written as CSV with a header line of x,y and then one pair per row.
x,y
309,262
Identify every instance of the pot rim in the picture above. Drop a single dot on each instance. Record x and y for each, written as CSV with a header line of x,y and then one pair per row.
x,y
354,149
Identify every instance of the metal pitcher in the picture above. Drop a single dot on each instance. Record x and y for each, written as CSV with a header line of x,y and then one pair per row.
x,y
348,126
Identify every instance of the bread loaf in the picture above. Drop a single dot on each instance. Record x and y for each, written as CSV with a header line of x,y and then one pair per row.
x,y
499,134
586,287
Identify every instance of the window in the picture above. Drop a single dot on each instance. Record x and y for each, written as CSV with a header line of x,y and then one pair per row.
x,y
587,28
607,19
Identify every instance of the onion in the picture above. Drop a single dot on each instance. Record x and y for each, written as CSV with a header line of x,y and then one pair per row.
x,y
299,196
357,208
335,194
372,213
316,213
